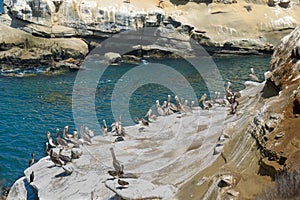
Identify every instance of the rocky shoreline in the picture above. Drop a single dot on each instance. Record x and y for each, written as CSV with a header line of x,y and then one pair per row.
x,y
58,35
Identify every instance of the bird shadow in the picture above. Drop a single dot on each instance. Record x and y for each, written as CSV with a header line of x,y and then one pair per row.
x,y
62,174
121,188
51,166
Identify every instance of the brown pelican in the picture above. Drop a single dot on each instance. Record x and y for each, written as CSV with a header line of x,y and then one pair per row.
x,y
64,158
60,140
55,158
118,128
75,139
151,117
104,128
31,161
31,177
115,174
171,105
84,136
51,142
179,105
234,105
253,76
116,163
47,150
186,107
89,132
160,111
66,135
119,139
142,121
167,108
122,183
206,104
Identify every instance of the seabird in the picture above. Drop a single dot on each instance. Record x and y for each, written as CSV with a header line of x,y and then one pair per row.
x,y
64,158
66,134
31,161
60,140
122,183
150,116
160,111
104,128
253,76
142,121
115,174
75,139
47,150
179,105
84,136
89,132
55,158
116,163
31,177
51,142
119,139
186,107
171,105
167,108
118,128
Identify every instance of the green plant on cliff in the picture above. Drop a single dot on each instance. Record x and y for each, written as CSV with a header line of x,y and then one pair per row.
x,y
287,186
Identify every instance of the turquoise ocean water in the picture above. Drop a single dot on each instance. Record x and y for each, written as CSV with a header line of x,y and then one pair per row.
x,y
33,105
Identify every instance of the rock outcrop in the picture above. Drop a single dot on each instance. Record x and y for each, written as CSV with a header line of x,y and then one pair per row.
x,y
277,124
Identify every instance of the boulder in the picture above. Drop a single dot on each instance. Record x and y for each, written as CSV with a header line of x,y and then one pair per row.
x,y
112,57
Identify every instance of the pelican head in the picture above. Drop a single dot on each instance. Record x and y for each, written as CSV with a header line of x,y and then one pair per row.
x,y
252,70
192,103
157,102
169,97
48,134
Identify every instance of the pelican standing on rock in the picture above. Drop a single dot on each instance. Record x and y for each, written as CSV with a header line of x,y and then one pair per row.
x,y
51,142
31,161
150,116
60,140
55,158
84,136
171,105
116,164
104,128
179,105
253,76
160,111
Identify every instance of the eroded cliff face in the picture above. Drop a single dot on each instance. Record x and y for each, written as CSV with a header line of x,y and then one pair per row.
x,y
277,125
264,133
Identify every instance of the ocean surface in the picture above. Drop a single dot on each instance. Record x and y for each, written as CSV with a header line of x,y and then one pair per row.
x,y
31,106
1,7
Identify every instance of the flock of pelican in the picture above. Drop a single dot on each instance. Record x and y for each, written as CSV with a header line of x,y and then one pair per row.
x,y
182,106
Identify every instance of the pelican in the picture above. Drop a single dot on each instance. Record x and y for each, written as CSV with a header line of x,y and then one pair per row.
x,y
31,177
253,76
75,139
118,167
186,107
104,128
119,139
84,136
122,183
179,105
64,158
142,121
160,111
171,105
151,117
47,150
115,174
31,161
167,108
66,135
51,142
60,140
234,105
89,132
118,128
55,158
